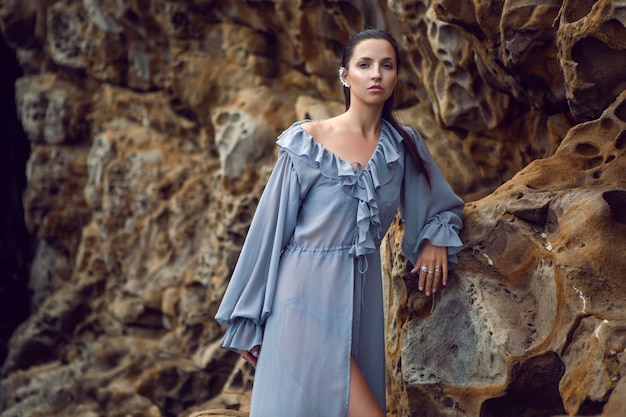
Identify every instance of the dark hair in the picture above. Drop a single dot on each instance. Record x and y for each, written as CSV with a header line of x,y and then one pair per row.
x,y
388,115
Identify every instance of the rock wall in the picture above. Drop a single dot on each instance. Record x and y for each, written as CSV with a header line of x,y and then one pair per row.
x,y
151,125
14,239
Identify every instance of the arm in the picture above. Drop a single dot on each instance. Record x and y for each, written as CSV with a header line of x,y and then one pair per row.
x,y
248,298
433,217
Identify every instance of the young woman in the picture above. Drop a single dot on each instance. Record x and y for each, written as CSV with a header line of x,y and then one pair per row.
x,y
307,286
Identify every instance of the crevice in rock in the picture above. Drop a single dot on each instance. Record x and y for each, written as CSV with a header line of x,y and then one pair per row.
x,y
620,111
537,216
576,10
533,390
616,200
620,142
589,54
15,242
570,334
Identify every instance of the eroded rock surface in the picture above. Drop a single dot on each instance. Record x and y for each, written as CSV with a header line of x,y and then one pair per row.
x,y
537,305
151,126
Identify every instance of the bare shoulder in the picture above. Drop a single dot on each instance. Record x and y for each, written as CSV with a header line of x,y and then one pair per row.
x,y
310,127
320,130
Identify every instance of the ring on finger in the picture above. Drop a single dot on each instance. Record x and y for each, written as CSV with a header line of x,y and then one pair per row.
x,y
424,268
431,272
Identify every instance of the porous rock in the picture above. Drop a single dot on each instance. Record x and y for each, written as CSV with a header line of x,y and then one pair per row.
x,y
151,126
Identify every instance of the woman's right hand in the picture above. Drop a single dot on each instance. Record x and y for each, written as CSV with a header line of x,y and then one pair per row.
x,y
251,355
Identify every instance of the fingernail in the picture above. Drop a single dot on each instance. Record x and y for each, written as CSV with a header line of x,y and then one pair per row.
x,y
255,354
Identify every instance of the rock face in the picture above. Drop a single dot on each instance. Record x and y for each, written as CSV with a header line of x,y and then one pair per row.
x,y
14,242
151,126
534,323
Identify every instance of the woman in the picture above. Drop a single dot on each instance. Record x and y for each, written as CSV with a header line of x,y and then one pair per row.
x,y
307,286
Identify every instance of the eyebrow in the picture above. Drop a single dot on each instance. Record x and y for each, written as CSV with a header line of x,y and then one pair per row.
x,y
367,58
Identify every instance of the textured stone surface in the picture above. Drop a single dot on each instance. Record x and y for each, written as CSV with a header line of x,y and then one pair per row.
x,y
538,301
592,34
151,126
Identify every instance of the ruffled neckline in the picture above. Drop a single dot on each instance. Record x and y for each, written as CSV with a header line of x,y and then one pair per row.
x,y
300,143
361,184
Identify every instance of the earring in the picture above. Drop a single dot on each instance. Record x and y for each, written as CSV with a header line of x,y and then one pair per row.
x,y
343,82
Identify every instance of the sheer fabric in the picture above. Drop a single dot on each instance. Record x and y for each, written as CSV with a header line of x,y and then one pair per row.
x,y
307,285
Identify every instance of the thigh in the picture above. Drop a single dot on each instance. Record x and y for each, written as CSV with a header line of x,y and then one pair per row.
x,y
362,402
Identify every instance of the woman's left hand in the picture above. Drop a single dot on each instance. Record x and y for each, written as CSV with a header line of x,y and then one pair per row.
x,y
432,268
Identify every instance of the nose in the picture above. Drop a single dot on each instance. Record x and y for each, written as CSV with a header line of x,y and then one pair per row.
x,y
376,72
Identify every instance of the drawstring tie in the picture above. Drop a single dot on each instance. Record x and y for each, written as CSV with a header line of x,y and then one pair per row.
x,y
362,268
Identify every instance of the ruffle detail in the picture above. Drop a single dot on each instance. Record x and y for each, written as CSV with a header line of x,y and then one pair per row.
x,y
441,231
239,334
362,184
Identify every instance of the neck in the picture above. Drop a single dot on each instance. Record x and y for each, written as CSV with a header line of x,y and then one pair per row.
x,y
366,118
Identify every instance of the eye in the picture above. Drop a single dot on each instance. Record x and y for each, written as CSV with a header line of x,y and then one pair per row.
x,y
363,65
388,66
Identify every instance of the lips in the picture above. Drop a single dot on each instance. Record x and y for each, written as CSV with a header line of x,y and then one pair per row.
x,y
375,88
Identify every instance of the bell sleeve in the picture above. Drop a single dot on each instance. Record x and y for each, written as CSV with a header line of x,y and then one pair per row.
x,y
247,301
429,211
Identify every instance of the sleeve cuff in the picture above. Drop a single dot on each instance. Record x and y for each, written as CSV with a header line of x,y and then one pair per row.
x,y
441,233
242,334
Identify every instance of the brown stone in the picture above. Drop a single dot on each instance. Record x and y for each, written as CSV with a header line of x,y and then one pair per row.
x,y
152,125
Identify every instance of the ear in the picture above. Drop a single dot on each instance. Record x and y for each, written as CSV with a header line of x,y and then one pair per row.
x,y
342,79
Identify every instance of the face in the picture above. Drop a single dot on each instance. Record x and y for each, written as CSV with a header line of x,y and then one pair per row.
x,y
372,72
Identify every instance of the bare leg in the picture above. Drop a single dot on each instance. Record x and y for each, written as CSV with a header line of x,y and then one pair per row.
x,y
362,402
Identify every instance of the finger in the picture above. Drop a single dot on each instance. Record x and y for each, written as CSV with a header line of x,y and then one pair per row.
x,y
429,281
436,279
422,277
418,268
248,357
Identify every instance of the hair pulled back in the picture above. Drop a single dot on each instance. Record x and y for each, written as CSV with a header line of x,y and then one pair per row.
x,y
387,114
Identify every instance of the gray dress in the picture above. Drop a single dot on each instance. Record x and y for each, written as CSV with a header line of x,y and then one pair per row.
x,y
307,285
